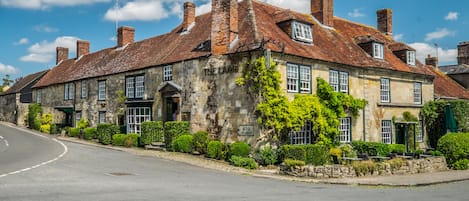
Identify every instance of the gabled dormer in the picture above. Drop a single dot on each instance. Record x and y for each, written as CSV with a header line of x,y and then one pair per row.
x,y
372,46
404,53
298,30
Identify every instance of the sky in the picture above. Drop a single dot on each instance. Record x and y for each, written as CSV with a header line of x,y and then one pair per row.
x,y
32,29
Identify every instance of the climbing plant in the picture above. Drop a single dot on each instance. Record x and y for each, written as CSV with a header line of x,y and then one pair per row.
x,y
277,115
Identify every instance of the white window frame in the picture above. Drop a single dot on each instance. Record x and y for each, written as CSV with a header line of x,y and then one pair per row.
x,y
345,130
83,89
305,79
378,50
298,78
343,82
385,90
292,78
39,96
168,73
410,57
135,117
339,81
419,129
302,32
69,91
101,117
386,131
334,79
139,86
418,93
302,136
78,116
130,87
102,90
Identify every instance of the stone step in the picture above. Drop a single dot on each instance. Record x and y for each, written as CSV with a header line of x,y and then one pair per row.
x,y
151,147
158,144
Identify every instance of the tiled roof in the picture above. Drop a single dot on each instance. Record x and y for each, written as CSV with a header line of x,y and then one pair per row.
x,y
257,28
445,87
455,69
22,83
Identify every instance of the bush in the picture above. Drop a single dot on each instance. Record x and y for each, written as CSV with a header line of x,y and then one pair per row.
x,y
454,146
83,123
46,119
74,132
461,164
34,111
436,153
131,140
289,163
397,148
200,142
363,168
45,128
53,129
336,153
347,150
173,129
295,152
266,156
152,131
371,148
317,154
396,163
244,162
183,143
216,150
105,132
240,149
118,139
90,133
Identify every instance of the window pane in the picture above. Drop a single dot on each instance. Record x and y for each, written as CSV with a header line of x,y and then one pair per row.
x,y
334,80
140,86
343,82
71,91
66,91
418,93
129,89
83,89
292,78
305,77
302,136
102,90
135,117
345,133
385,90
167,73
302,32
378,51
386,131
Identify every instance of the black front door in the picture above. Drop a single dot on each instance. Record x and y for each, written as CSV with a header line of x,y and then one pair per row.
x,y
171,109
68,119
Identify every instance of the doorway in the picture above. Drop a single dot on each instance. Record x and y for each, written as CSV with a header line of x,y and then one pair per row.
x,y
172,108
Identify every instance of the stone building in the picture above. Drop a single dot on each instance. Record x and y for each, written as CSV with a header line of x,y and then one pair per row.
x,y
189,73
14,102
460,72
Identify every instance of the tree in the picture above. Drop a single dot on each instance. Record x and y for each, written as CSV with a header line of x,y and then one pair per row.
x,y
6,81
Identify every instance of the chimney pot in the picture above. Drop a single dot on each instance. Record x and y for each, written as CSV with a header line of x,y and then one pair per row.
x,y
224,25
431,61
61,54
384,17
189,15
463,53
125,35
323,11
83,47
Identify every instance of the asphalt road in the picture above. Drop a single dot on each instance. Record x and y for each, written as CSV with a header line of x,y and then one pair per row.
x,y
90,173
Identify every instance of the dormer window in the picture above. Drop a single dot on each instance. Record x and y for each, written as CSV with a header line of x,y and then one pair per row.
x,y
302,32
411,57
378,50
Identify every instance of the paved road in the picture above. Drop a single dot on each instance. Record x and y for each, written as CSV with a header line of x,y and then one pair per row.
x,y
91,173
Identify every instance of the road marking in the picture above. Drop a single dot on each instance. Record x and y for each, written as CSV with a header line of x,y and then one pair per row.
x,y
41,164
6,143
1,137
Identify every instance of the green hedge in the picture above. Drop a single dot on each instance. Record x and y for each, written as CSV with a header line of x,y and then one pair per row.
x,y
131,140
90,133
289,163
105,132
455,147
53,129
240,149
34,110
397,148
200,142
74,132
118,139
244,162
173,129
295,152
371,148
183,143
216,150
152,131
317,154
266,155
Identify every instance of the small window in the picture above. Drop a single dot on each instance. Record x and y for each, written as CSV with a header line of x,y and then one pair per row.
x,y
102,90
305,79
38,96
345,130
419,131
378,50
302,32
130,87
77,118
83,89
302,136
69,91
292,78
338,80
385,90
411,58
167,73
343,82
102,117
334,79
298,78
418,93
139,86
386,131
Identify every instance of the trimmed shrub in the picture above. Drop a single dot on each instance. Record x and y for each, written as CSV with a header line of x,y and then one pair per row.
x,y
240,149
173,129
317,154
397,148
289,163
90,133
131,140
347,150
152,131
436,153
371,148
266,155
295,152
216,150
200,142
105,132
244,162
118,139
461,164
454,146
46,119
53,129
74,132
183,143
83,123
363,168
45,128
34,111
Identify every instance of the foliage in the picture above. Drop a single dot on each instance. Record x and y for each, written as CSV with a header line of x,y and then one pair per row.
x,y
45,128
118,139
120,100
363,168
436,153
336,153
46,119
34,111
90,133
200,141
152,131
216,150
396,163
74,132
266,155
6,80
173,129
83,123
454,146
183,143
295,152
347,150
244,162
397,148
131,140
105,132
371,148
240,149
317,154
289,163
461,164
53,129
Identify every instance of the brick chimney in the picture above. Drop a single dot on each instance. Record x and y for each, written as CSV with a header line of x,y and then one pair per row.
x,y
463,53
224,25
125,35
61,54
431,61
83,48
385,21
189,15
323,10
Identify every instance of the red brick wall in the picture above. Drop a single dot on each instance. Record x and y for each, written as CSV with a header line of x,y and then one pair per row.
x,y
125,35
224,25
83,47
323,10
385,21
189,15
61,54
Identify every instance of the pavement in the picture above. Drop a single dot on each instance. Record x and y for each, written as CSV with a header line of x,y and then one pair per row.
x,y
414,180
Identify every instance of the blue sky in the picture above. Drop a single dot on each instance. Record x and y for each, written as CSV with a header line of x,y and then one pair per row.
x,y
31,29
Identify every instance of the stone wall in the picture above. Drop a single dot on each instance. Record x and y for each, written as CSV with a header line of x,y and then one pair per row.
x,y
431,164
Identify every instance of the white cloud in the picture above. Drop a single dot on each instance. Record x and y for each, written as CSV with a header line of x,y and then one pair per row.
x,y
142,10
452,16
398,37
7,69
297,5
22,41
45,29
44,51
114,38
440,33
444,55
45,4
356,13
